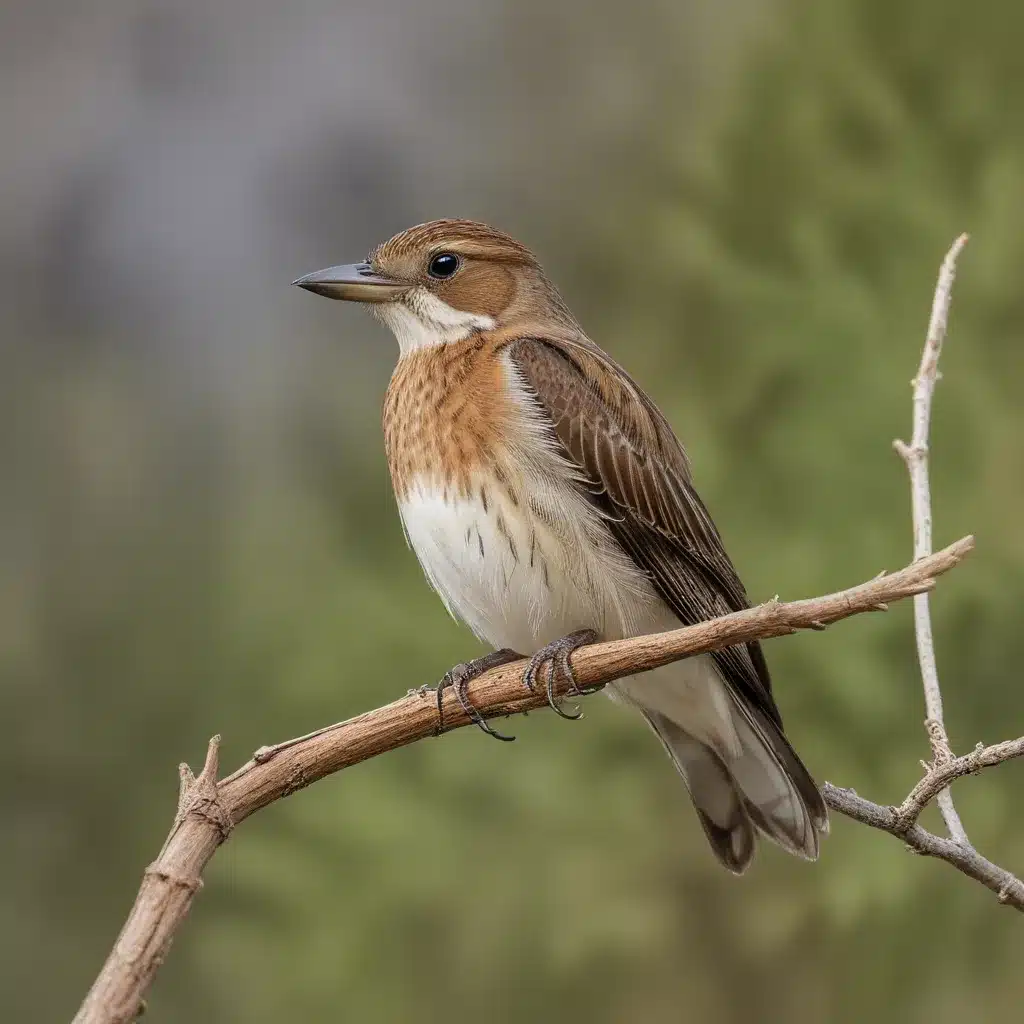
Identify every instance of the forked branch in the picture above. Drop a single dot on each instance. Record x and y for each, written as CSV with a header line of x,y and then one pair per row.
x,y
944,766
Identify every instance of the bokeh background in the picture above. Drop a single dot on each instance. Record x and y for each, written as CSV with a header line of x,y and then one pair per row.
x,y
746,202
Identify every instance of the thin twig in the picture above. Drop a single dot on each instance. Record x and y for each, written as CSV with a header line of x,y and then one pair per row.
x,y
207,812
1008,888
939,776
915,455
944,766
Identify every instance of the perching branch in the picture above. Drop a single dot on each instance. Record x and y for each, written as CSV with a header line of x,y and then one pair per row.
x,y
207,812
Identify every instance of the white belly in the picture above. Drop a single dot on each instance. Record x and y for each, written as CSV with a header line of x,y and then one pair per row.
x,y
521,575
521,580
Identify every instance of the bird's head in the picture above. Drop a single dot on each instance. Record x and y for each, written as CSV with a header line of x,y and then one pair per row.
x,y
445,280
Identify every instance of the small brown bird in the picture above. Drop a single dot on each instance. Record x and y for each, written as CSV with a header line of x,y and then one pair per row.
x,y
550,504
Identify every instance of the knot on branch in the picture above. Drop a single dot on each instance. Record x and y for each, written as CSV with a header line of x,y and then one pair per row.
x,y
911,452
198,796
941,751
1012,893
192,885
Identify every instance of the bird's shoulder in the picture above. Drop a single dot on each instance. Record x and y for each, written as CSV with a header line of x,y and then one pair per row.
x,y
635,470
614,432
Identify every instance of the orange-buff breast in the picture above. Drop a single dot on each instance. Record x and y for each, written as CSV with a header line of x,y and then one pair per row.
x,y
448,417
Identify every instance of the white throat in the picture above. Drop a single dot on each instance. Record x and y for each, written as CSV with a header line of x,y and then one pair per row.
x,y
419,319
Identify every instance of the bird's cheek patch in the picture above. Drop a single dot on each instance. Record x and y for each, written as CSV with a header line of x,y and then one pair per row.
x,y
482,288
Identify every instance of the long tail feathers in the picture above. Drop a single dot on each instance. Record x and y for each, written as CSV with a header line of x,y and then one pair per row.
x,y
760,783
721,812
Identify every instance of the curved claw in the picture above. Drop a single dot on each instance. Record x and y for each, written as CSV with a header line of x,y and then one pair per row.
x,y
573,715
462,692
558,655
460,677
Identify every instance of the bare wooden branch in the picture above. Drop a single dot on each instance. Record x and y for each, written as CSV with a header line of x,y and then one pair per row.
x,y
1008,888
207,812
938,777
915,455
944,766
165,896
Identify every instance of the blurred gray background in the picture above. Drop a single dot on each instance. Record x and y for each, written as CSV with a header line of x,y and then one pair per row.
x,y
746,202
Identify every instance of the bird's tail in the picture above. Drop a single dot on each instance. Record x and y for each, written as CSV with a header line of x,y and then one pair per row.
x,y
751,782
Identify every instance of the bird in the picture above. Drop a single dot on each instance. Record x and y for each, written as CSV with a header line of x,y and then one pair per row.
x,y
550,505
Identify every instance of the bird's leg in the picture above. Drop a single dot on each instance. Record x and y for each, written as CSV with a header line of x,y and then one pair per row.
x,y
558,655
460,677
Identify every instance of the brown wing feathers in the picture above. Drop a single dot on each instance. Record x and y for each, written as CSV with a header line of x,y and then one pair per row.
x,y
637,474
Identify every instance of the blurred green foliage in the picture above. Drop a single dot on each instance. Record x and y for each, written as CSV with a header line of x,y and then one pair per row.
x,y
770,285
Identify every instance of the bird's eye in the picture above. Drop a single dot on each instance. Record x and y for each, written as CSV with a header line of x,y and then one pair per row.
x,y
443,265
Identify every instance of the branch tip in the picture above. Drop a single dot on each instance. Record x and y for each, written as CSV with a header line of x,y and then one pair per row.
x,y
211,764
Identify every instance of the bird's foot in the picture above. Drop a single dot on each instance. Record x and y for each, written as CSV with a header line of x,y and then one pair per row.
x,y
459,679
558,655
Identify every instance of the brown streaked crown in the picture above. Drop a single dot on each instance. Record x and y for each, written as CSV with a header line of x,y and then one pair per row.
x,y
469,238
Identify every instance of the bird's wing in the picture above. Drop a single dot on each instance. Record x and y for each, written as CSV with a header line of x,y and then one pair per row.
x,y
634,469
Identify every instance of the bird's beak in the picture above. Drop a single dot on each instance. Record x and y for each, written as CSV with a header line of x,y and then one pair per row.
x,y
355,282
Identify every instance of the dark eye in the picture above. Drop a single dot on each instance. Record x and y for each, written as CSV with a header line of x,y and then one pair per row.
x,y
443,265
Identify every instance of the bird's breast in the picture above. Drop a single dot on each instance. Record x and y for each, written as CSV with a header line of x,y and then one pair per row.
x,y
501,528
446,415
